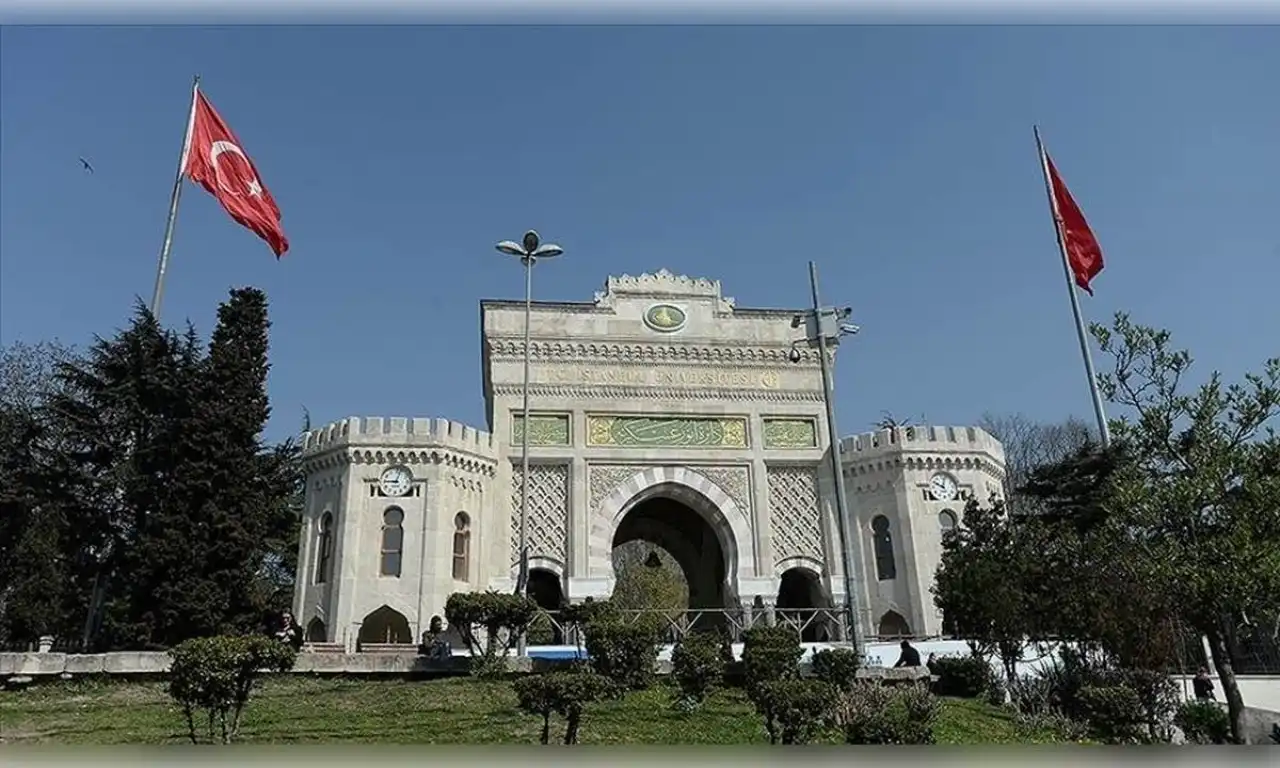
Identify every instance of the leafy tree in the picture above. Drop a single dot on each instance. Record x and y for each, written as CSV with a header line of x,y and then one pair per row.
x,y
981,585
1198,497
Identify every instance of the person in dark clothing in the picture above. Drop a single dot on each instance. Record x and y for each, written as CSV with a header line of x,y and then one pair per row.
x,y
433,644
1202,685
910,657
289,632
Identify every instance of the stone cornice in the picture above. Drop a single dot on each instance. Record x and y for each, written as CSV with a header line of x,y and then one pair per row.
x,y
645,353
411,457
606,392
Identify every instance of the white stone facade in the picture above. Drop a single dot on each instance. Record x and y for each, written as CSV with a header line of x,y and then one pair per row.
x,y
659,389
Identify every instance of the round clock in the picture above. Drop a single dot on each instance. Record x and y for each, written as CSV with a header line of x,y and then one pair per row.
x,y
395,481
943,487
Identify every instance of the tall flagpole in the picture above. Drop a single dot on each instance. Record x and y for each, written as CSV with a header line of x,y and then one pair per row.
x,y
158,294
1103,430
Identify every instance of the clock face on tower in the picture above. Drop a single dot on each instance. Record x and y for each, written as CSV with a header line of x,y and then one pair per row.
x,y
395,481
943,487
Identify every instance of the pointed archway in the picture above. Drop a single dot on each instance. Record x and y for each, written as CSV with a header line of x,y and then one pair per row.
x,y
384,626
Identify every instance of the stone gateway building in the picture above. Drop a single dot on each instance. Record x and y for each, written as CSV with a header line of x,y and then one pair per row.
x,y
659,412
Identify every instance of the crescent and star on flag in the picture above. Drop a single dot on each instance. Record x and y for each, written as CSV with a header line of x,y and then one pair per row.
x,y
236,184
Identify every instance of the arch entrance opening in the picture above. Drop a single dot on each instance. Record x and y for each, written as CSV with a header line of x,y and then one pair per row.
x,y
667,556
800,598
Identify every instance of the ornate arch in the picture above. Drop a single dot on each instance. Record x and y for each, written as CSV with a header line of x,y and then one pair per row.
x,y
689,487
811,565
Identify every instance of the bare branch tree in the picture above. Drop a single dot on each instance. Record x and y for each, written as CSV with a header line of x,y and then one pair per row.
x,y
1030,445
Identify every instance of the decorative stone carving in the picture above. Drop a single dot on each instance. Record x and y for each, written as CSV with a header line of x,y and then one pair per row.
x,y
603,480
790,433
548,511
736,482
645,432
793,510
544,429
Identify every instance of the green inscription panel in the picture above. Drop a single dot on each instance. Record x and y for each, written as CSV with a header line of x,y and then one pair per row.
x,y
544,429
675,432
790,433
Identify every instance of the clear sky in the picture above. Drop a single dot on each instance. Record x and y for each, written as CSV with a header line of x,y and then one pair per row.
x,y
900,159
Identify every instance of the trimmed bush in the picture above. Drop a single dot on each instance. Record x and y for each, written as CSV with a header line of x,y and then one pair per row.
x,y
500,619
795,710
965,677
770,654
562,693
215,675
624,653
1203,722
697,665
1113,713
871,713
837,667
542,630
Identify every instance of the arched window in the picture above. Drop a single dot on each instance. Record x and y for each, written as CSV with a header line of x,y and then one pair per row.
x,y
886,568
946,521
392,542
324,548
461,546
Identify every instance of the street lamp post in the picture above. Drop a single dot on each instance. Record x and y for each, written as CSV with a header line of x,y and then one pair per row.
x,y
824,328
528,250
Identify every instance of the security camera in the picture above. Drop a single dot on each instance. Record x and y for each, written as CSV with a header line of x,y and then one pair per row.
x,y
849,328
796,320
794,355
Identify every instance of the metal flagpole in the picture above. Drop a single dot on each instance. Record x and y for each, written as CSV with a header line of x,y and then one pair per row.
x,y
158,294
1098,411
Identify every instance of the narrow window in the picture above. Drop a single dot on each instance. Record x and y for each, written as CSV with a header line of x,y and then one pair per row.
x,y
461,546
325,548
392,542
886,568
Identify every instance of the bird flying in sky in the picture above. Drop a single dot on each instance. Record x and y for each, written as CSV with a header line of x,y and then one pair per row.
x,y
88,168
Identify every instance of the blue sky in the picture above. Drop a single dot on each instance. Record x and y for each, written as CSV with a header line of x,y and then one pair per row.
x,y
899,158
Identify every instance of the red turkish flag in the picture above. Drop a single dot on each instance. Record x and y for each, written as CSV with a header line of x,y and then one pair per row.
x,y
216,160
1083,252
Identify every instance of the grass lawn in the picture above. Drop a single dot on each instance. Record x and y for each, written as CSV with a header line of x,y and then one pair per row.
x,y
450,711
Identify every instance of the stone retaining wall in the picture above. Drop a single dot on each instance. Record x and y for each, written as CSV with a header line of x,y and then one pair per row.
x,y
23,668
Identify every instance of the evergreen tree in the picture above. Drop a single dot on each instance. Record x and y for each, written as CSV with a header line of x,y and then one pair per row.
x,y
231,484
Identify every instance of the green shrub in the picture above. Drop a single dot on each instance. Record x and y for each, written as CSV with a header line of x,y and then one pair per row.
x,y
1158,697
575,618
1113,713
622,652
499,618
871,713
837,667
965,677
215,675
542,630
697,665
562,693
1203,722
997,692
770,654
1032,695
795,710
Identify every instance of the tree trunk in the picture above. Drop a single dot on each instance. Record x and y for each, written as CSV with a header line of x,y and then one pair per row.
x,y
1227,676
546,728
571,728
